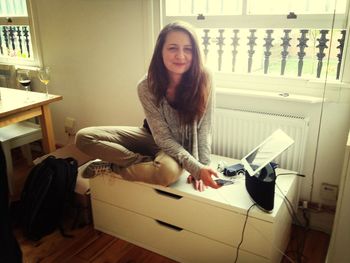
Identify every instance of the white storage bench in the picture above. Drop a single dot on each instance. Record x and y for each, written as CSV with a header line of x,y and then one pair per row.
x,y
190,226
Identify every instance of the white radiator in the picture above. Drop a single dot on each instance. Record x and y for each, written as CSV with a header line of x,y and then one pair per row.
x,y
237,132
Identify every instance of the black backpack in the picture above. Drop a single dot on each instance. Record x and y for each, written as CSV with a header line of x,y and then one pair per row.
x,y
48,188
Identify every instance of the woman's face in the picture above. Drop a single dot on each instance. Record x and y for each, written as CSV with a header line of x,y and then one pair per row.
x,y
177,53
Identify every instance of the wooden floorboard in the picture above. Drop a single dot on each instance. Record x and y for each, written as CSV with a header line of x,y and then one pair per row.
x,y
72,246
115,252
90,245
93,250
306,246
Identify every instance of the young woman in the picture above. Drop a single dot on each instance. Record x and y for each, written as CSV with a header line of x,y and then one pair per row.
x,y
177,98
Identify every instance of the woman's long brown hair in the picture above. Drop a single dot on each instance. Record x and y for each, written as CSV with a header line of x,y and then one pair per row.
x,y
192,93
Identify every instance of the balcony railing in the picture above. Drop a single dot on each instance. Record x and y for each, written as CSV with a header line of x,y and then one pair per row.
x,y
293,52
15,42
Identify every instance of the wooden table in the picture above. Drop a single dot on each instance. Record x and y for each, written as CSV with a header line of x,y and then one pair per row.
x,y
18,105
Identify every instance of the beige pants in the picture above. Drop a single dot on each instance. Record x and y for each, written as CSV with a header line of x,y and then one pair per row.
x,y
133,150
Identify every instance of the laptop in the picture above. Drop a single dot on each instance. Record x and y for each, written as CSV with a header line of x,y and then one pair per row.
x,y
266,152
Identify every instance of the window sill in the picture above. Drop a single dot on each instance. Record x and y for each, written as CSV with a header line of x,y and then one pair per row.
x,y
19,62
269,95
282,88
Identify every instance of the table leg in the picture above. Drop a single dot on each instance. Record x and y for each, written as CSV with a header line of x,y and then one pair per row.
x,y
47,130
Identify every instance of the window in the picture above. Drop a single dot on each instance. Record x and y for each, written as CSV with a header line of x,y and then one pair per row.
x,y
16,34
299,39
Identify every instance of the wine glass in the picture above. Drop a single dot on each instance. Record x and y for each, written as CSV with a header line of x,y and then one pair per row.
x,y
24,79
44,76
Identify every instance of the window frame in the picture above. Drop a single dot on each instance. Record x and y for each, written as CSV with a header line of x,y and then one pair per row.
x,y
262,21
286,84
27,21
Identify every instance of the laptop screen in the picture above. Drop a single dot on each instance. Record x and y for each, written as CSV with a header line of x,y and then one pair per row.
x,y
265,152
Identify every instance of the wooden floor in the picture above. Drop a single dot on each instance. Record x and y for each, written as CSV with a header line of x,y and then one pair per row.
x,y
313,246
89,245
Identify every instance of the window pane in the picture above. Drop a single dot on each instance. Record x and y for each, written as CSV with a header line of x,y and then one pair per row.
x,y
11,8
251,53
206,7
15,37
16,42
262,42
296,6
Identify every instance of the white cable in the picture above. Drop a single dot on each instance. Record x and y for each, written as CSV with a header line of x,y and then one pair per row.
x,y
273,245
322,109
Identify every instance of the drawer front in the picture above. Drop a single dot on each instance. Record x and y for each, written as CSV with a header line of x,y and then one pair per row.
x,y
215,223
163,238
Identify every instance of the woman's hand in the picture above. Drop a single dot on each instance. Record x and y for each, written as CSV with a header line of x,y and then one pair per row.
x,y
205,175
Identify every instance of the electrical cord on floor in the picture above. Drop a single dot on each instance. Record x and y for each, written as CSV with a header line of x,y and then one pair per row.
x,y
300,242
242,236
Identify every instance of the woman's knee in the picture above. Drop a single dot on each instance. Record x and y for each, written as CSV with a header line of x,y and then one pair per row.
x,y
169,170
84,137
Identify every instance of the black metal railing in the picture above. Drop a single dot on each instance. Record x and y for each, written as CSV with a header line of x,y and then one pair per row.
x,y
15,42
294,49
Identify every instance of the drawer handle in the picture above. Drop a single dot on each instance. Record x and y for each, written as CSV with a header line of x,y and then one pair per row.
x,y
172,227
171,195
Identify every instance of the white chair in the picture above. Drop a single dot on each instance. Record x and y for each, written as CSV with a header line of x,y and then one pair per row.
x,y
18,135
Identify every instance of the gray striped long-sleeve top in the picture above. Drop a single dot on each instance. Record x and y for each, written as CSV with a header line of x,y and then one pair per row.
x,y
190,145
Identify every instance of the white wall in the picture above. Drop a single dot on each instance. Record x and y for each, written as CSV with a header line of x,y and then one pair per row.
x,y
95,49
